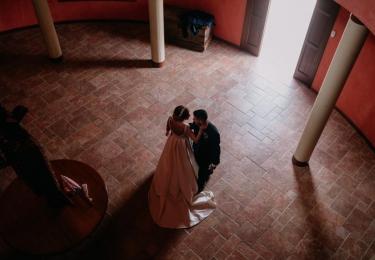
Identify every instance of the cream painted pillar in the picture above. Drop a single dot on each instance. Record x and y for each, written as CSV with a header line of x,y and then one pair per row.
x,y
47,27
156,15
346,53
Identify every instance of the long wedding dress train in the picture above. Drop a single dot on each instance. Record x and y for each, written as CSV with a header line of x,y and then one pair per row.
x,y
172,199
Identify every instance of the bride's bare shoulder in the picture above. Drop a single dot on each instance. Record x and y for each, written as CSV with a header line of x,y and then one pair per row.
x,y
177,126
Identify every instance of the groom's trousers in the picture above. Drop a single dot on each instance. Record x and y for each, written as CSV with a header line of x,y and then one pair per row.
x,y
203,176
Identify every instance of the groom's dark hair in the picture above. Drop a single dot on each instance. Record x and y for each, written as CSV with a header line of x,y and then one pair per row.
x,y
201,114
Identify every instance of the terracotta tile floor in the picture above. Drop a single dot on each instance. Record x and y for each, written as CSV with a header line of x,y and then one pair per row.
x,y
104,106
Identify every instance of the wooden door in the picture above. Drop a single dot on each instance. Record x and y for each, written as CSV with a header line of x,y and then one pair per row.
x,y
253,28
317,36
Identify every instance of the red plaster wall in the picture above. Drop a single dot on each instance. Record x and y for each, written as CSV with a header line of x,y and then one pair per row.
x,y
20,13
229,14
363,9
357,98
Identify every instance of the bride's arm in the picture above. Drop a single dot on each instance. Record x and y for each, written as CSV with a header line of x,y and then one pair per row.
x,y
194,137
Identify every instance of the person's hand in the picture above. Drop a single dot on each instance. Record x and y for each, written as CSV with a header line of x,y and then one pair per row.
x,y
211,168
203,127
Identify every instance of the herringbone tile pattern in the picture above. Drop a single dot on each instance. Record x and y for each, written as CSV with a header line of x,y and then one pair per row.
x,y
106,107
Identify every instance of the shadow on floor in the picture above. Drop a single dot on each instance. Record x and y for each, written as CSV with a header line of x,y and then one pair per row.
x,y
108,63
41,62
129,234
124,29
315,241
132,234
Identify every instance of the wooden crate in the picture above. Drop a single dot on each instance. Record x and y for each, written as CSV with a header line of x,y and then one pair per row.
x,y
174,31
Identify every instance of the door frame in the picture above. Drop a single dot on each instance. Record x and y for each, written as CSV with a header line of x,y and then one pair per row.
x,y
246,42
330,9
256,13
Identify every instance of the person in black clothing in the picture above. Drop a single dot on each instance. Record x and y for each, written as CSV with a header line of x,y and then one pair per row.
x,y
21,151
207,150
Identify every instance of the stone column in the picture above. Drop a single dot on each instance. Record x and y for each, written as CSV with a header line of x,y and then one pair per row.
x,y
346,54
47,27
156,15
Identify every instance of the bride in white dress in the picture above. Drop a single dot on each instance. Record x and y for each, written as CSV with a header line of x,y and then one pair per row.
x,y
173,201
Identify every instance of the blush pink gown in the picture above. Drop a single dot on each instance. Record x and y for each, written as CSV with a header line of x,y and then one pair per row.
x,y
172,199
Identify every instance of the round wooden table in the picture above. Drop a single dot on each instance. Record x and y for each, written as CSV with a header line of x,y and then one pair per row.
x,y
28,225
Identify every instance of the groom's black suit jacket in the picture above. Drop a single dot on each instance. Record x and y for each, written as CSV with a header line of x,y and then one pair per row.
x,y
207,150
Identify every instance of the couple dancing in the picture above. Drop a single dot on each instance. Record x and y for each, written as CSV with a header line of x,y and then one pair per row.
x,y
176,197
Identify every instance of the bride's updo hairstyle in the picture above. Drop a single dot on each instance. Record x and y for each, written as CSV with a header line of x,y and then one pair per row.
x,y
181,113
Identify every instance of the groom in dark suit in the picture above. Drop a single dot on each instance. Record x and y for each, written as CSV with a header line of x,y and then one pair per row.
x,y
207,150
